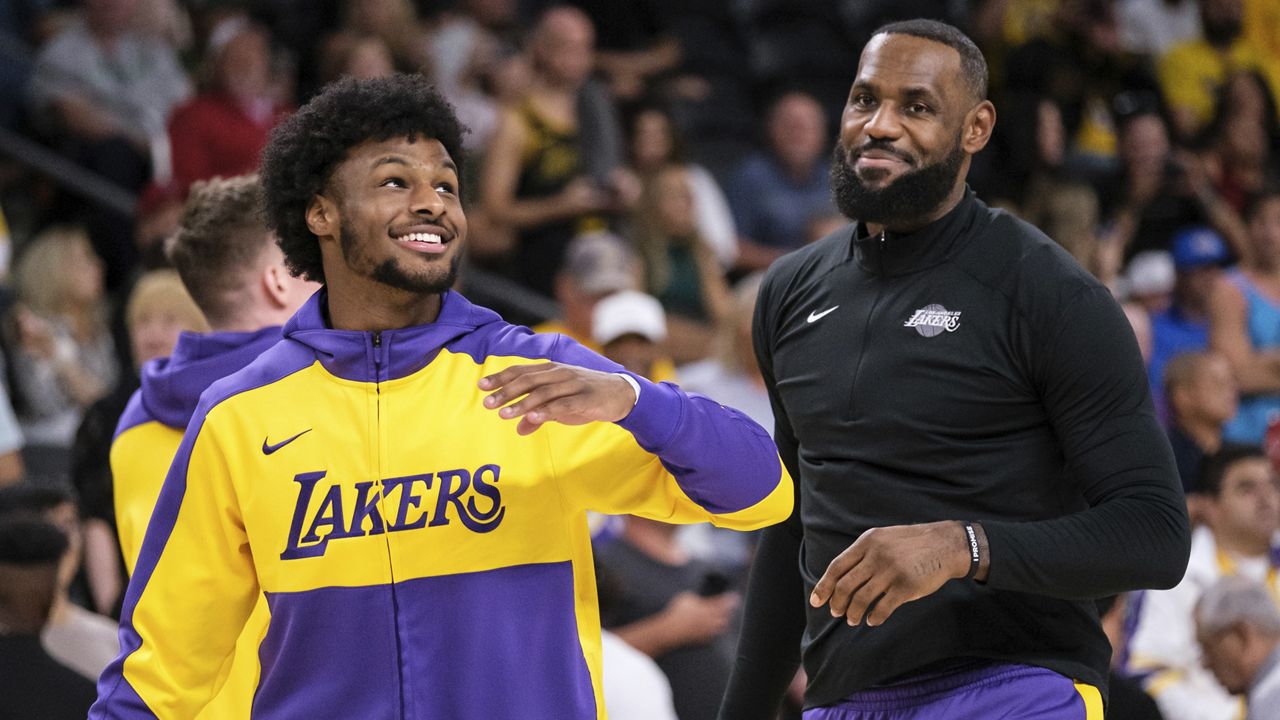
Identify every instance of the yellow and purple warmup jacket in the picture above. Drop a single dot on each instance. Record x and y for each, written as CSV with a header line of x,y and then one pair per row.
x,y
146,440
420,559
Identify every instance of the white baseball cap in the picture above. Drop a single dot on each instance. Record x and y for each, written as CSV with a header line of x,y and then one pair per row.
x,y
628,312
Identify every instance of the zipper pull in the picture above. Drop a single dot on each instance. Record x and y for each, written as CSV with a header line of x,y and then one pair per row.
x,y
377,348
882,251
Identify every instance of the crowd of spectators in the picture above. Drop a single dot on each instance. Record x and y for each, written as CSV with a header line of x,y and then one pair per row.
x,y
636,165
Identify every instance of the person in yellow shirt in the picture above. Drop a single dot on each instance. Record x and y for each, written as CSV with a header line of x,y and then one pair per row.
x,y
1192,71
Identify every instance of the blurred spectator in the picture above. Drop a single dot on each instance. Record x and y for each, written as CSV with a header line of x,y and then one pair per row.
x,y
1151,27
109,92
1243,139
1146,201
477,64
674,609
634,686
1192,71
1200,392
33,684
158,311
222,130
81,640
1056,117
65,358
635,47
630,328
358,56
1244,321
596,265
1126,698
553,170
1238,628
776,191
680,267
731,376
1198,257
397,23
654,145
1243,514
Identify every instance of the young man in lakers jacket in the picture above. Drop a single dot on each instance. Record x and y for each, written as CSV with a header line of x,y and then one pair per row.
x,y
229,262
421,557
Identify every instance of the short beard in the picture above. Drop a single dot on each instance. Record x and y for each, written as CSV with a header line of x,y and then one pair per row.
x,y
390,273
907,200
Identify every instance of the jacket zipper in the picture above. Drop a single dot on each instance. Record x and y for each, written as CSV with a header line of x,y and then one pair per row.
x,y
866,326
377,439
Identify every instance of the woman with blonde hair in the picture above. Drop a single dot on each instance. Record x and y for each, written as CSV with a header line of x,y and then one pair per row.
x,y
681,269
64,358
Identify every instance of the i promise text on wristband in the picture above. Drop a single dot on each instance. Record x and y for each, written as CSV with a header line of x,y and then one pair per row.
x,y
975,550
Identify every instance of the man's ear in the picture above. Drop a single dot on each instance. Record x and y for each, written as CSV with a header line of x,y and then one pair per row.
x,y
978,124
322,217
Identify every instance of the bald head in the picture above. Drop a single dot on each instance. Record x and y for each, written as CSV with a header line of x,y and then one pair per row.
x,y
563,45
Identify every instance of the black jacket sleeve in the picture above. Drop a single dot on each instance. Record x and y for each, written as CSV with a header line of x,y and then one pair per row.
x,y
1135,532
773,615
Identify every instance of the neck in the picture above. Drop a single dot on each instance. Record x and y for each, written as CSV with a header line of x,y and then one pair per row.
x,y
1242,546
386,309
655,539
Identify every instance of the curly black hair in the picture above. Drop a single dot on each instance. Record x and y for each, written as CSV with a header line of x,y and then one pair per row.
x,y
306,148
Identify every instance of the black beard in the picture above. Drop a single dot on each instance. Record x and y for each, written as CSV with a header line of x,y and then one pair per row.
x,y
389,272
906,200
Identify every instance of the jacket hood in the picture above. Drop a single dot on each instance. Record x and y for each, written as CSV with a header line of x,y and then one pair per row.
x,y
171,386
387,354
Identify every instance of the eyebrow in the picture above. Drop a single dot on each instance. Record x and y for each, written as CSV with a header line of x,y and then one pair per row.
x,y
394,160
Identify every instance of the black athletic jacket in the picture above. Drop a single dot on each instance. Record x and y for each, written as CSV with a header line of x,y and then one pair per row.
x,y
968,371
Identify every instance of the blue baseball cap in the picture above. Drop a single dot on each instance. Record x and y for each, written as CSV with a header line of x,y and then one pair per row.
x,y
1198,246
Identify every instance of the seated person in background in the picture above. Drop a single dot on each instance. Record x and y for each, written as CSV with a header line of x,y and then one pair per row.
x,y
83,641
634,686
1244,321
596,265
222,130
33,684
1198,256
681,269
554,165
630,328
1242,511
1201,395
1238,628
65,354
778,189
731,375
675,609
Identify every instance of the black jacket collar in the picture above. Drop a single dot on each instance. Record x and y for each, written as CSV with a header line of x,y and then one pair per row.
x,y
892,254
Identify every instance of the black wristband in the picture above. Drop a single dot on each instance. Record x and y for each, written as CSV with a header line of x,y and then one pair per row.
x,y
975,550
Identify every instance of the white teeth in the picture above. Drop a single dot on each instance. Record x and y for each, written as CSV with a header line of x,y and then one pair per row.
x,y
430,238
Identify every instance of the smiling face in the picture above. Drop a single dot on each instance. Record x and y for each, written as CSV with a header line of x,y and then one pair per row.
x,y
906,134
390,221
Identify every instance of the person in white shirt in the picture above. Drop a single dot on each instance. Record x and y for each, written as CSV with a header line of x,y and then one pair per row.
x,y
1238,628
1242,516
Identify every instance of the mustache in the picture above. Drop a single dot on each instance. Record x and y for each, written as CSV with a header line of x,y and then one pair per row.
x,y
883,146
